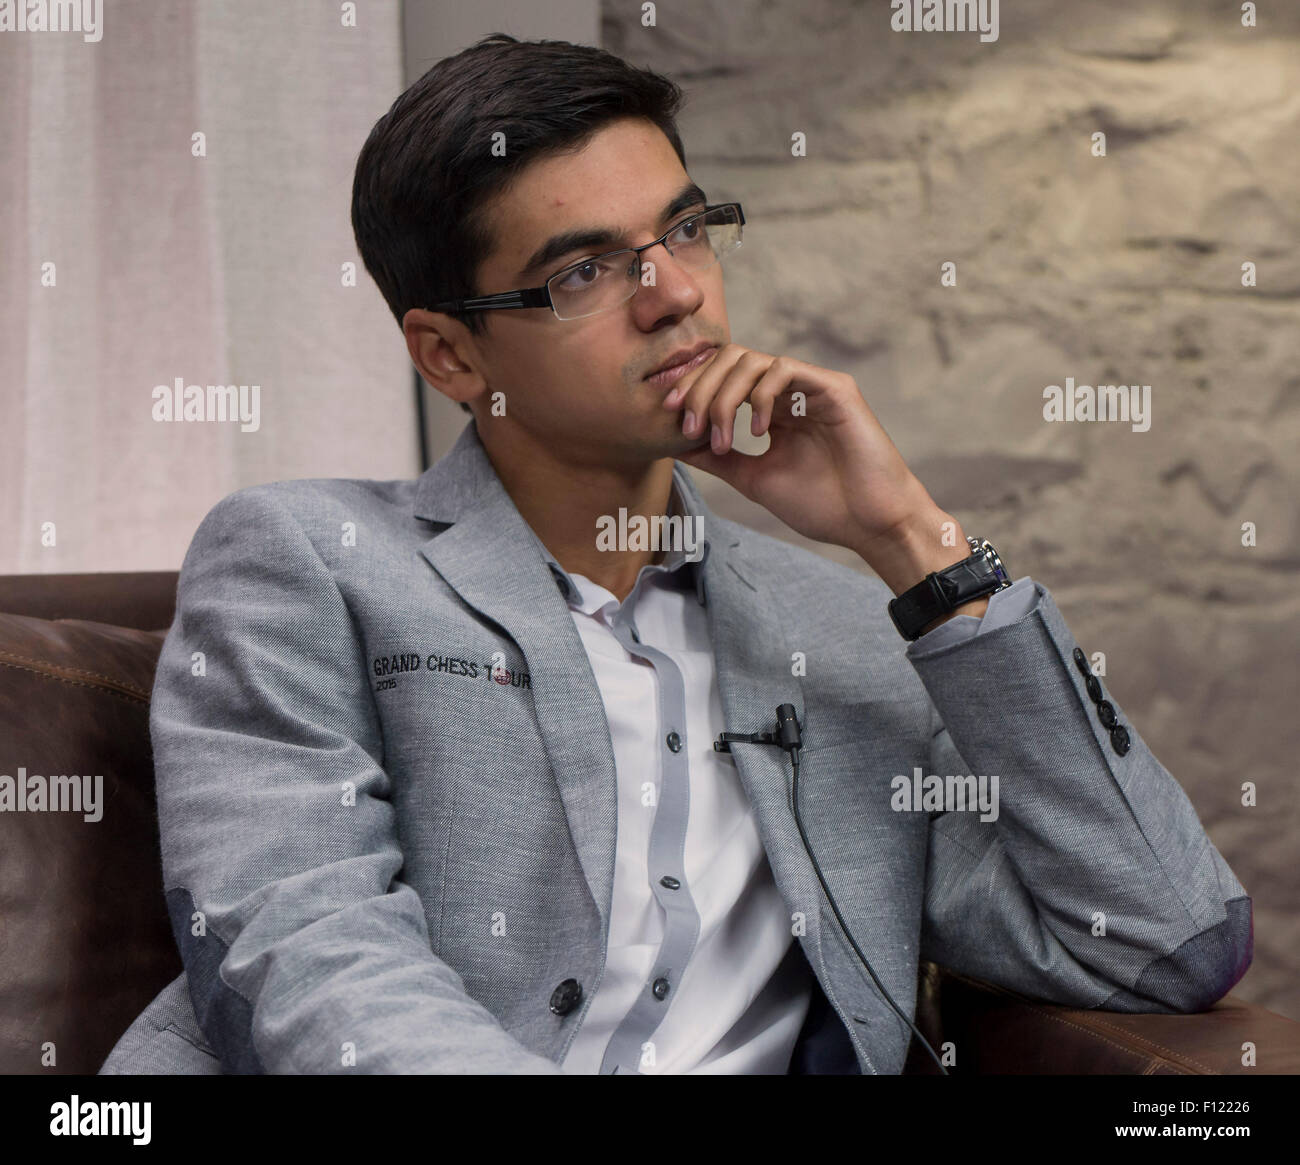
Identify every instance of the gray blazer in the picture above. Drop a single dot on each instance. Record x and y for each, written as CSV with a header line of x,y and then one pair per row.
x,y
365,876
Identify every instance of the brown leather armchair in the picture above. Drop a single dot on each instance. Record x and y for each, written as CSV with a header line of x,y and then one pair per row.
x,y
84,938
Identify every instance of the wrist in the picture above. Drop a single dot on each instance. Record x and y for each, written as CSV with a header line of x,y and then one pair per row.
x,y
913,549
916,549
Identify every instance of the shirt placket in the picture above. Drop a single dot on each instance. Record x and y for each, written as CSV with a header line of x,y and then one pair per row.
x,y
626,1048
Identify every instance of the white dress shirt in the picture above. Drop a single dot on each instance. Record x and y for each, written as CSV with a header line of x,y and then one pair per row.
x,y
730,1013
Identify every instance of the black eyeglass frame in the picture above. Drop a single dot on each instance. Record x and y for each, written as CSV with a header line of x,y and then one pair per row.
x,y
541,296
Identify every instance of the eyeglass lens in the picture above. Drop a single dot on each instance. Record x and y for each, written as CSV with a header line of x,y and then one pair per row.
x,y
597,285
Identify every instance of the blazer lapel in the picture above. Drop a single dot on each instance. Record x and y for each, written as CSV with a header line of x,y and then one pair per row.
x,y
754,660
493,560
747,624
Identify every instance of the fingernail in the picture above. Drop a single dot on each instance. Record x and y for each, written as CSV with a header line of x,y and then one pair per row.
x,y
716,441
689,423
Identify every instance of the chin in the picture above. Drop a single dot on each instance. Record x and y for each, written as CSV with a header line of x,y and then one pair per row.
x,y
671,443
684,444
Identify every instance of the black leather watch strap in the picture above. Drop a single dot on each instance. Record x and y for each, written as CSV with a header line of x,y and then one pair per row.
x,y
942,591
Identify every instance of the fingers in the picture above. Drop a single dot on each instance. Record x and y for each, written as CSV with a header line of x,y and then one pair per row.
x,y
729,391
762,400
693,394
734,375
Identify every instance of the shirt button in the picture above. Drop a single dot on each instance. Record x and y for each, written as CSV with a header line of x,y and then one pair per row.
x,y
1119,739
661,988
1081,662
566,997
1106,714
674,742
670,882
1094,687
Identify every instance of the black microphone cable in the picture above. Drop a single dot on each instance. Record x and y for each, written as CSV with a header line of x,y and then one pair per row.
x,y
788,737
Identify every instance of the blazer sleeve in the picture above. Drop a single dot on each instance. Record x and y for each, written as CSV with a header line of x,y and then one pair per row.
x,y
303,948
1095,885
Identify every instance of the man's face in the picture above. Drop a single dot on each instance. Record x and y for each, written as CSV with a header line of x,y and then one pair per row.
x,y
580,384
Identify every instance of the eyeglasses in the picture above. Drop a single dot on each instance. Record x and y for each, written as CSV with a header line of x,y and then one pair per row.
x,y
602,282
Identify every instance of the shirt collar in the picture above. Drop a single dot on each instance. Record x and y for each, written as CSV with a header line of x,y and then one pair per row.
x,y
675,562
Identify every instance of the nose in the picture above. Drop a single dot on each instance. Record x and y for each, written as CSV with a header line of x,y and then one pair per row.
x,y
673,290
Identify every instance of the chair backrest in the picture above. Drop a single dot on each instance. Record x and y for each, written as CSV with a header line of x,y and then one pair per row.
x,y
141,599
85,943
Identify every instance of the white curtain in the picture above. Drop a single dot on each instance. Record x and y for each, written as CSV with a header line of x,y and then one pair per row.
x,y
128,261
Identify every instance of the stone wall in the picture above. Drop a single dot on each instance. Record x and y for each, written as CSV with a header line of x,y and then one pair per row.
x,y
926,148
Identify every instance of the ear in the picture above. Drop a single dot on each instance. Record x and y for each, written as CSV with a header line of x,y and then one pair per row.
x,y
444,351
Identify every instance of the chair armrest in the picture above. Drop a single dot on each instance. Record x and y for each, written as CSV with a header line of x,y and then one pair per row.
x,y
999,1032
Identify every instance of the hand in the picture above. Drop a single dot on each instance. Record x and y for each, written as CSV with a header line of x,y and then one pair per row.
x,y
831,472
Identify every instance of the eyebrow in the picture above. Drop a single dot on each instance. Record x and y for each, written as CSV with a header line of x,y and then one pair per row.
x,y
603,238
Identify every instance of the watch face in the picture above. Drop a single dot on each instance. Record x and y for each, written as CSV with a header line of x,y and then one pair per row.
x,y
995,563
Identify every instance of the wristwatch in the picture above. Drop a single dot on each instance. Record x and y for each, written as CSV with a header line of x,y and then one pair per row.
x,y
942,591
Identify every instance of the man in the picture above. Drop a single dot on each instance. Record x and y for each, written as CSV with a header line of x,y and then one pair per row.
x,y
436,770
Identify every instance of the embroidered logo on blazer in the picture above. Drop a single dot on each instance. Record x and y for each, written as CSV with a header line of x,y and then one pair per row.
x,y
388,667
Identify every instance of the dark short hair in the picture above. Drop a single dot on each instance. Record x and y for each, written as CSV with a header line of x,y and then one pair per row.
x,y
427,169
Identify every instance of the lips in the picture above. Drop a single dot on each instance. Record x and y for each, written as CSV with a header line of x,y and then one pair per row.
x,y
681,356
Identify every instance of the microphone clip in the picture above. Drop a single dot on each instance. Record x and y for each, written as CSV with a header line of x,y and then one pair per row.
x,y
723,743
787,735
